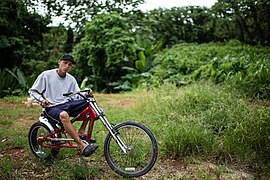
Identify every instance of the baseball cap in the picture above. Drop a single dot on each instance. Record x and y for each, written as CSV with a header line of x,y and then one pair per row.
x,y
68,57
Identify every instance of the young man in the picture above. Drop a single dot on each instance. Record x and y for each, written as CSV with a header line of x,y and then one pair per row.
x,y
48,90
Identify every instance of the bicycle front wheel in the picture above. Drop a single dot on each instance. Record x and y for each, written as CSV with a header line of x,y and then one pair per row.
x,y
142,153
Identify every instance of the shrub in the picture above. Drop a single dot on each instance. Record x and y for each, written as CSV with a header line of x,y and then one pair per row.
x,y
244,67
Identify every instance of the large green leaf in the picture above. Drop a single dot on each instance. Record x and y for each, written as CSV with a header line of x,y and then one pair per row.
x,y
140,64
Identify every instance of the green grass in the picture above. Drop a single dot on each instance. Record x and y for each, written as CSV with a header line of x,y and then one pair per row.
x,y
5,122
74,170
204,119
200,121
6,168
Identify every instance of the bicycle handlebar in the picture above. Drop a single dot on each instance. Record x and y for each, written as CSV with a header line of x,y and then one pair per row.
x,y
76,92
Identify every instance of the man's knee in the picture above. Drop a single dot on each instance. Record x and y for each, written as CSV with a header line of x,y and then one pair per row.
x,y
64,117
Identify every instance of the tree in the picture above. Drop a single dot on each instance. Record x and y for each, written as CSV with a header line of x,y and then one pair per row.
x,y
79,12
185,24
106,47
51,49
247,21
20,32
69,42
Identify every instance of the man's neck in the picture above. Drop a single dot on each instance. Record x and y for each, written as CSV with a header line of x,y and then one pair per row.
x,y
60,73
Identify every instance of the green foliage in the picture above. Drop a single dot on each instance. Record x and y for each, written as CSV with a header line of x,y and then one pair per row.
x,y
13,82
256,80
246,21
245,67
136,76
147,53
117,53
19,76
183,24
140,64
79,12
21,31
105,49
69,42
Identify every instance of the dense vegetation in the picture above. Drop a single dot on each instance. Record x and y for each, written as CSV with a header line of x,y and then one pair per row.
x,y
244,67
115,43
203,74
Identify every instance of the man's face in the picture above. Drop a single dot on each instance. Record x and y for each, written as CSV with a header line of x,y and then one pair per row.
x,y
65,65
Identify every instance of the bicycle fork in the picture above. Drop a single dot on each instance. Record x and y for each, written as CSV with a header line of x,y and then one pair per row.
x,y
115,135
109,127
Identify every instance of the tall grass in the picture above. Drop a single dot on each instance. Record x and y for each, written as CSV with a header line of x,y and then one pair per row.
x,y
205,119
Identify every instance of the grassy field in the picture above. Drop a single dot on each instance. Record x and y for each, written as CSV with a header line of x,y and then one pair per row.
x,y
203,130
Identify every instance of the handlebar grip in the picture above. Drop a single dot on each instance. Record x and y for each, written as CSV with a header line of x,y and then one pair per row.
x,y
67,94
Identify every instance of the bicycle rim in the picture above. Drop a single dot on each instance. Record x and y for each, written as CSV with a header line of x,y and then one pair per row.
x,y
142,154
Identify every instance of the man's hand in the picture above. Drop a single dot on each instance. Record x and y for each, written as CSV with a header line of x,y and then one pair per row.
x,y
45,103
89,93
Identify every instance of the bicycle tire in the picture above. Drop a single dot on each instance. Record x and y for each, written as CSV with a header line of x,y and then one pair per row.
x,y
39,129
140,159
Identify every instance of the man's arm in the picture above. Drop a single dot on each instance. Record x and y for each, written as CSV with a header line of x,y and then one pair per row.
x,y
37,90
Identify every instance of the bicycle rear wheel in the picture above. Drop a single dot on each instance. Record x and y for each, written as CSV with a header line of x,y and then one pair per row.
x,y
142,154
39,130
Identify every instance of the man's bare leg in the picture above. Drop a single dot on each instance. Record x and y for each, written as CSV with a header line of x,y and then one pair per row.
x,y
64,117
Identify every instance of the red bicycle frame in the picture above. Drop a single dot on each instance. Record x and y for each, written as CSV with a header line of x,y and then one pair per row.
x,y
86,115
91,113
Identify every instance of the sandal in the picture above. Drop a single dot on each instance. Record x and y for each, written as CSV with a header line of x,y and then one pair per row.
x,y
88,149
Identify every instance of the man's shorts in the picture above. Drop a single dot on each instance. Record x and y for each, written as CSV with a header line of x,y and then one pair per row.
x,y
73,108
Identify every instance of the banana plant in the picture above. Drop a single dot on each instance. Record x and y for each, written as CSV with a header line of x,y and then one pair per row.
x,y
147,55
12,82
19,76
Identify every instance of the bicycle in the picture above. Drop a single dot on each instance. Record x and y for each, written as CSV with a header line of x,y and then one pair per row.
x,y
130,148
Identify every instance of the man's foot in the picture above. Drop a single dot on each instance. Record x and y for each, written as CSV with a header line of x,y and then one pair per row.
x,y
88,149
